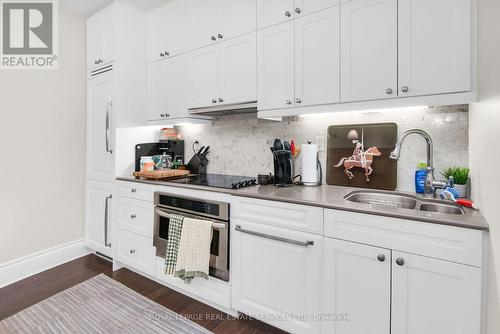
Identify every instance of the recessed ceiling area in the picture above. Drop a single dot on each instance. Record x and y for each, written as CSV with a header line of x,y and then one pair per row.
x,y
89,7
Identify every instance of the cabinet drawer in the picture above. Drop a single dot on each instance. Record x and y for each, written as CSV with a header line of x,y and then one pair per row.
x,y
433,240
292,216
135,216
135,190
136,252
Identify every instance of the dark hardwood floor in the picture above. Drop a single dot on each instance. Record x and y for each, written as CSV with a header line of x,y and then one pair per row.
x,y
22,294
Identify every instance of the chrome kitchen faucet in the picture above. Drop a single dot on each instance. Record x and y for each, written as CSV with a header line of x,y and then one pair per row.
x,y
431,184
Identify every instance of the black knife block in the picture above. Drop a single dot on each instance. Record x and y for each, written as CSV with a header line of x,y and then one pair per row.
x,y
283,171
197,166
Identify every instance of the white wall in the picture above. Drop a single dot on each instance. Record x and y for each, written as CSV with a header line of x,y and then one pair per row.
x,y
484,147
42,141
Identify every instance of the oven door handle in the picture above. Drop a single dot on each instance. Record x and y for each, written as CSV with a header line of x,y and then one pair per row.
x,y
161,213
273,237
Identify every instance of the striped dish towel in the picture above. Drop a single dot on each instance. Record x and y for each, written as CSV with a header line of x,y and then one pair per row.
x,y
174,237
193,259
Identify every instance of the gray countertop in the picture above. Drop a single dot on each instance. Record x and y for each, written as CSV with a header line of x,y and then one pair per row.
x,y
332,197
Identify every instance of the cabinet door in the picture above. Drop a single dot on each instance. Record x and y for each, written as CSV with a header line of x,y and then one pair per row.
x,y
203,22
434,296
168,30
94,40
368,50
275,66
238,69
270,12
304,7
108,34
273,278
237,17
98,203
317,59
100,128
204,77
357,288
435,47
168,88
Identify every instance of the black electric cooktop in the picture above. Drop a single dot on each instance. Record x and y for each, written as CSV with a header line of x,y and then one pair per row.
x,y
218,181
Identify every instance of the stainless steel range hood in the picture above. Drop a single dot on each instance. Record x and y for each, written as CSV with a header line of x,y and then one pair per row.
x,y
227,109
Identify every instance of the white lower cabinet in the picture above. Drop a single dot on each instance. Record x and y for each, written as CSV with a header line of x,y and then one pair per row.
x,y
136,252
276,275
357,288
434,297
98,197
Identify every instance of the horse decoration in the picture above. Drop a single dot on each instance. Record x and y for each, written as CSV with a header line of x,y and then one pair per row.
x,y
360,159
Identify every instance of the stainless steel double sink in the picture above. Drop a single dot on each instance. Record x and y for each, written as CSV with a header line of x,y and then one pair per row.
x,y
403,201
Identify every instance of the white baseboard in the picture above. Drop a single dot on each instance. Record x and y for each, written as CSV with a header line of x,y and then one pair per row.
x,y
26,266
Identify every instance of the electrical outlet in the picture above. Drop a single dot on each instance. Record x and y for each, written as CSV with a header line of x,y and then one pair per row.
x,y
320,141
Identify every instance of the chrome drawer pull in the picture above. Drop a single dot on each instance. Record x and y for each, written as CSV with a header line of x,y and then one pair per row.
x,y
272,237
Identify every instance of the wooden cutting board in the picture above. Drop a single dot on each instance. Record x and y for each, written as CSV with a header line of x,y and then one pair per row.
x,y
162,174
376,141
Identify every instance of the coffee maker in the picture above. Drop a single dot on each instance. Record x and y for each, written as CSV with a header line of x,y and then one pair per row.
x,y
172,148
283,170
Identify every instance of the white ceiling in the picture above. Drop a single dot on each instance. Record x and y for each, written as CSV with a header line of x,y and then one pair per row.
x,y
89,7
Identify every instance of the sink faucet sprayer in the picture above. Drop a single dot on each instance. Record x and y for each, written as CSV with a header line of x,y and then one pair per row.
x,y
431,184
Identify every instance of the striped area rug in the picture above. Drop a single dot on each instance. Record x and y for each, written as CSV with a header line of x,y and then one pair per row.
x,y
98,305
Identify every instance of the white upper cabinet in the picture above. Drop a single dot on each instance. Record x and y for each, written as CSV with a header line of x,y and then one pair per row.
x,y
435,46
317,60
433,297
101,40
358,284
238,70
369,50
203,77
212,21
224,73
304,7
168,89
100,128
237,17
270,12
167,30
275,66
203,22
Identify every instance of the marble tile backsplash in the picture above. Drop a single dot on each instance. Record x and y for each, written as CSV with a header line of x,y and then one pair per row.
x,y
240,143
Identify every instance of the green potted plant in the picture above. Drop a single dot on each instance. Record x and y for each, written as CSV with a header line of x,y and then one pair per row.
x,y
460,176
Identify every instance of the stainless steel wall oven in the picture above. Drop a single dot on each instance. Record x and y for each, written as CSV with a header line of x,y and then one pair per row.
x,y
217,212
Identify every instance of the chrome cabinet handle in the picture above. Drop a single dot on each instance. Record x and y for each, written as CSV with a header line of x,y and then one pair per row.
x,y
106,221
167,53
298,101
109,106
221,99
405,89
132,251
381,257
388,91
297,10
288,13
213,38
214,101
272,237
133,190
220,36
133,216
288,102
400,261
162,54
